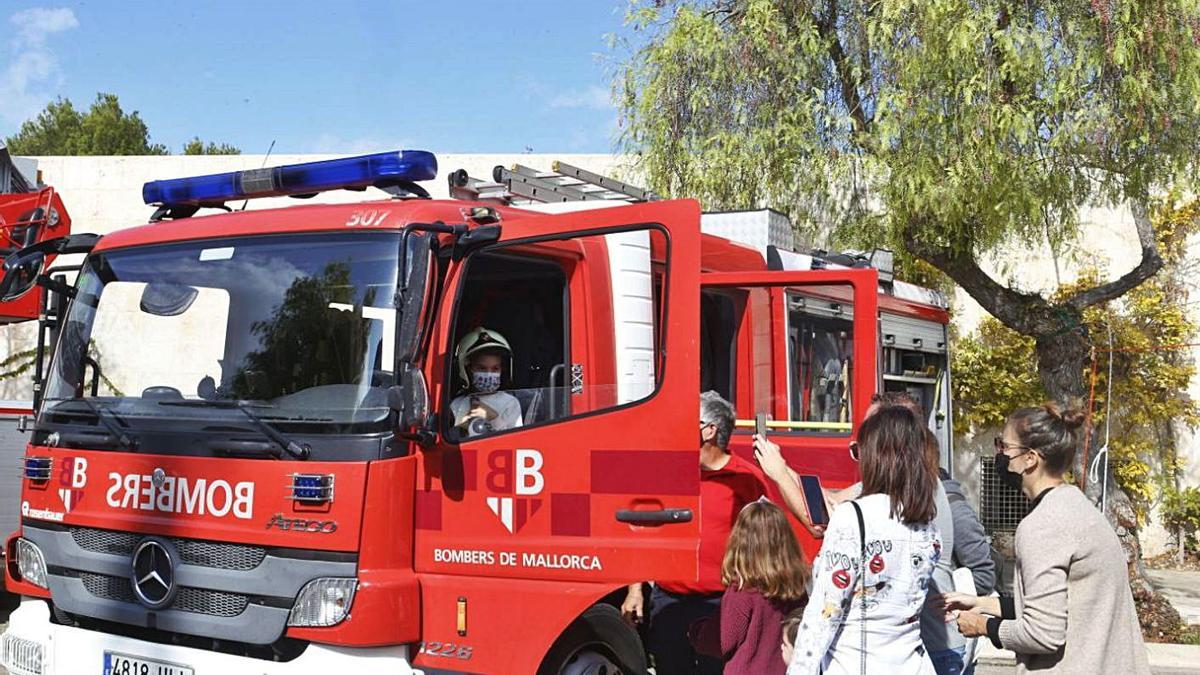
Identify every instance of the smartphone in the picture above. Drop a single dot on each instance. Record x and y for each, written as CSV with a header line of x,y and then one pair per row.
x,y
760,424
814,497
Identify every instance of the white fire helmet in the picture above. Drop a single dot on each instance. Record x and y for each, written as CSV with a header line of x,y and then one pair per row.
x,y
479,340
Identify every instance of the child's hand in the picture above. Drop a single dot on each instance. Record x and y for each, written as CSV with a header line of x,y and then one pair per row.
x,y
955,601
483,412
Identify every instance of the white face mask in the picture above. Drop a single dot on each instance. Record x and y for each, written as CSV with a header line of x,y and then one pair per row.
x,y
485,382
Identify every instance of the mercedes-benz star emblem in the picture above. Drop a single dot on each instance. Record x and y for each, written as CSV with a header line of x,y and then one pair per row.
x,y
153,573
157,477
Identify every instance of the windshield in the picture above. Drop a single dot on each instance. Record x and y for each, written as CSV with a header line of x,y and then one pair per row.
x,y
299,327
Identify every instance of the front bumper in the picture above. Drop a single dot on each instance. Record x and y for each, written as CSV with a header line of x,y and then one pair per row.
x,y
61,650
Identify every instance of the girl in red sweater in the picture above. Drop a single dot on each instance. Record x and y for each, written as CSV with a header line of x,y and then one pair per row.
x,y
765,576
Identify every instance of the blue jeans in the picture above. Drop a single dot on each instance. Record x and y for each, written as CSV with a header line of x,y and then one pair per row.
x,y
950,662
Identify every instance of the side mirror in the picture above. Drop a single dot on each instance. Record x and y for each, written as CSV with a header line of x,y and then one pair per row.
x,y
414,285
166,299
410,399
484,235
21,270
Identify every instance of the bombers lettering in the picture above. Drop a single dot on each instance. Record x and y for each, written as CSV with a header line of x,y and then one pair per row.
x,y
178,494
464,557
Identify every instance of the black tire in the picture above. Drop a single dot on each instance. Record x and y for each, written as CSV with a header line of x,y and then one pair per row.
x,y
600,631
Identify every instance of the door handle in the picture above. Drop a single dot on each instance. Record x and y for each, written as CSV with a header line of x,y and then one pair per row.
x,y
659,517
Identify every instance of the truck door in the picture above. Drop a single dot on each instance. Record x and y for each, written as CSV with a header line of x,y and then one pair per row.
x,y
804,350
585,465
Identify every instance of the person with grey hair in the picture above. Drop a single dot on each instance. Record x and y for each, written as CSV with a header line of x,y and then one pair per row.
x,y
727,483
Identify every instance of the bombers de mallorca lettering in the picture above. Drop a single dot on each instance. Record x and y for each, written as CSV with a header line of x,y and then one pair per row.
x,y
178,494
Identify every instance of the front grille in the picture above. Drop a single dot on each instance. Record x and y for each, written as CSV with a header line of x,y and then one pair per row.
x,y
191,552
218,555
110,588
213,603
195,600
104,541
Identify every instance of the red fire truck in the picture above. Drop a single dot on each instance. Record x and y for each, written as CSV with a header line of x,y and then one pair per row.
x,y
243,460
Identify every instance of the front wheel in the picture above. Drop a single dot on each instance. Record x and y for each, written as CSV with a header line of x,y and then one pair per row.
x,y
597,643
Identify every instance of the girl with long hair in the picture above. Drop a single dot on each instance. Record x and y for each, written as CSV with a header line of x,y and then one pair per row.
x,y
765,575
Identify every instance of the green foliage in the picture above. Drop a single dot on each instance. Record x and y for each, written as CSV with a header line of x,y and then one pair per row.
x,y
17,364
1181,513
993,376
199,147
962,123
105,129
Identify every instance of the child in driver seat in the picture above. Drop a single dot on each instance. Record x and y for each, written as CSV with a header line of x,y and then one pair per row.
x,y
483,408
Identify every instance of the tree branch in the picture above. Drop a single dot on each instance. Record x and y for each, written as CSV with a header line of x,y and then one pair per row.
x,y
1150,264
1022,312
827,28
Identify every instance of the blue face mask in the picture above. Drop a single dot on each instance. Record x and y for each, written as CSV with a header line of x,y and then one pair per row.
x,y
484,382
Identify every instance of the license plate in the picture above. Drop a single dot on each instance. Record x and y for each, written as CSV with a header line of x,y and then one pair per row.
x,y
124,664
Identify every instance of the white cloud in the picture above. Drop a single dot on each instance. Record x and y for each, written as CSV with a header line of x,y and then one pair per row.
x,y
33,25
594,98
332,144
33,64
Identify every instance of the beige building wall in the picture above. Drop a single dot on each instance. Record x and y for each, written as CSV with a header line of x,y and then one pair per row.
x,y
103,194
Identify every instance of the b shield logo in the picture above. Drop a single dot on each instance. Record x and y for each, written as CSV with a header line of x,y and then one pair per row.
x,y
73,479
515,476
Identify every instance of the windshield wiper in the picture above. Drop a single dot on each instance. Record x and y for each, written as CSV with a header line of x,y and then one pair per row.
x,y
297,450
105,418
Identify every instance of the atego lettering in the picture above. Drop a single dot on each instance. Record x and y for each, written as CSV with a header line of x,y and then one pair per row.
x,y
178,494
302,525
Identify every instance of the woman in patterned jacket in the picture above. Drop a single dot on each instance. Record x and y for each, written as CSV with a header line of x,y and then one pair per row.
x,y
864,612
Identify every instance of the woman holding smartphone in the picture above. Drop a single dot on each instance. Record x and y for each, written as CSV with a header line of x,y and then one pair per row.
x,y
876,560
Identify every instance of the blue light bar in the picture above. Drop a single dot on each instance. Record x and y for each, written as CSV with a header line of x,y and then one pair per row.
x,y
351,173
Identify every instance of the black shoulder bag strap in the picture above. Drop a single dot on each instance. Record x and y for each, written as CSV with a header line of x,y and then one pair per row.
x,y
862,576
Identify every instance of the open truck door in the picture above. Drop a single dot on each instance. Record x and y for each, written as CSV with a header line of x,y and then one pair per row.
x,y
596,481
26,219
802,348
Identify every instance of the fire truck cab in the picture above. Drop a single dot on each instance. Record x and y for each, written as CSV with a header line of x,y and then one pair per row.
x,y
245,461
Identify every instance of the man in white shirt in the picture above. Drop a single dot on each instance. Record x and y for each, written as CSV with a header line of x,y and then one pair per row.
x,y
483,409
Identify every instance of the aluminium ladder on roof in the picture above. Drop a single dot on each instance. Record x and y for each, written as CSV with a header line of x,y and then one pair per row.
x,y
563,183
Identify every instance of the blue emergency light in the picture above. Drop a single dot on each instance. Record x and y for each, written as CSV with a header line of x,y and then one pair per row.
x,y
382,169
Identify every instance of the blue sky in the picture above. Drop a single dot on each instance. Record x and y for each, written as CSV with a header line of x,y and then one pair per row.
x,y
465,76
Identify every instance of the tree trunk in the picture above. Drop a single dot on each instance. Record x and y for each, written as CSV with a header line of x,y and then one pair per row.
x,y
1063,363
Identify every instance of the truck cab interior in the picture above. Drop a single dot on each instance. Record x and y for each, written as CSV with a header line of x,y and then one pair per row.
x,y
525,300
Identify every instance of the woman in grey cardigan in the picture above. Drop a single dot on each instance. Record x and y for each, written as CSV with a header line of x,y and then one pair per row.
x,y
1072,611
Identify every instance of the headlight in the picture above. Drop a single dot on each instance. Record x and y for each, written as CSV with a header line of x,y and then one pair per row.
x,y
323,602
30,563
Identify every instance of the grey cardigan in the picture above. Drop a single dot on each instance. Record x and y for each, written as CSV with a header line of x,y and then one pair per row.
x,y
1073,608
971,546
